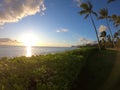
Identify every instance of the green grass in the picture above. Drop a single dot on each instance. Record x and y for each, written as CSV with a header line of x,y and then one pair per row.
x,y
84,69
96,71
43,72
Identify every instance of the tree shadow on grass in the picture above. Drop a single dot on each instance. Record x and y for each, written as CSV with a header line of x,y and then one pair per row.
x,y
96,72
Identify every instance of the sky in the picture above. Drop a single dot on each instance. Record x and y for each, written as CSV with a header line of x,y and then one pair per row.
x,y
50,22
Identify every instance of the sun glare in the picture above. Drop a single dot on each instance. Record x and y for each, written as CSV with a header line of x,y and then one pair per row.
x,y
29,39
28,51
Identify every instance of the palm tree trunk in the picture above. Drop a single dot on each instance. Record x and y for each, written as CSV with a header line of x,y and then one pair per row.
x,y
95,31
110,32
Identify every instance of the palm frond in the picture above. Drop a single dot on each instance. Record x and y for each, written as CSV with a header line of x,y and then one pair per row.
x,y
86,16
116,20
90,5
109,17
87,9
94,13
84,6
110,1
83,12
100,17
104,12
114,16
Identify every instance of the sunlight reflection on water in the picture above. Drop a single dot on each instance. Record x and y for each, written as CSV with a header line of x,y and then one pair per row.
x,y
17,51
28,51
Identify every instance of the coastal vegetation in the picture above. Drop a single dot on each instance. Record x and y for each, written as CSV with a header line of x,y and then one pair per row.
x,y
60,71
42,72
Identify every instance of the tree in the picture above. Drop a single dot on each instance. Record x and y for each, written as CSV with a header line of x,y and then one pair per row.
x,y
108,38
103,34
104,15
116,36
87,10
109,42
116,20
103,38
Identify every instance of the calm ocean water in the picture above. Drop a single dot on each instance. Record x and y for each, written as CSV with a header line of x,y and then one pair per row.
x,y
16,51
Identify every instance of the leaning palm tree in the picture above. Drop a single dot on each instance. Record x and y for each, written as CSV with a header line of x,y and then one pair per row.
x,y
104,15
87,10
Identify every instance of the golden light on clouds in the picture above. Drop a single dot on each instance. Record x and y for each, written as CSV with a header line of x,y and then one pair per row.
x,y
14,10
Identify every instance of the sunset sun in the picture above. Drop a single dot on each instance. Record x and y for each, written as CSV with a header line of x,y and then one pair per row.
x,y
29,39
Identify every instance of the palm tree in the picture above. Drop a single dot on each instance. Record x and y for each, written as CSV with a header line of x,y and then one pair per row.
x,y
103,38
104,15
108,38
109,41
116,22
115,19
116,36
87,10
103,34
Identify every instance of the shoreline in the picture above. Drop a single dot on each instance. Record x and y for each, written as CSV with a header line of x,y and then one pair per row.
x,y
19,51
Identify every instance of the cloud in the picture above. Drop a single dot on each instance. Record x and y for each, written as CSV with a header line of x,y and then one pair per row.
x,y
78,2
15,10
62,30
102,28
84,41
8,41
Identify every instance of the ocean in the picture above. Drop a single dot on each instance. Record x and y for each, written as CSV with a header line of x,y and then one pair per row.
x,y
17,51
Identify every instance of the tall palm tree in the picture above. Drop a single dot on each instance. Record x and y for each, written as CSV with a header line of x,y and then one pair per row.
x,y
87,10
104,15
